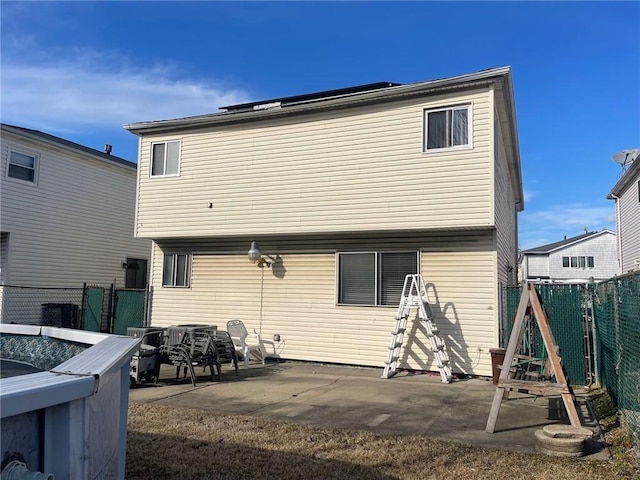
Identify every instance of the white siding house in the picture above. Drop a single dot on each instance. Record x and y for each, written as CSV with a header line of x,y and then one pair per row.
x,y
626,194
591,256
67,215
346,191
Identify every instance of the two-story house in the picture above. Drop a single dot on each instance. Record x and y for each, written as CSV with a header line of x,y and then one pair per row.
x,y
67,216
345,192
589,257
626,194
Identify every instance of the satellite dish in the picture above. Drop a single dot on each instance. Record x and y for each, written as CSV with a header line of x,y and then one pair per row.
x,y
626,157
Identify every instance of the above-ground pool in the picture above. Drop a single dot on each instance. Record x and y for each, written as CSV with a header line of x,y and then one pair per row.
x,y
63,400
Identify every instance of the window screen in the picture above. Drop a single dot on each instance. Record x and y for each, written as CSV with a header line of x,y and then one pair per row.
x,y
394,267
374,278
357,279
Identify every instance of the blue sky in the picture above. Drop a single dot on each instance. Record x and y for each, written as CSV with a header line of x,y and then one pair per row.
x,y
81,70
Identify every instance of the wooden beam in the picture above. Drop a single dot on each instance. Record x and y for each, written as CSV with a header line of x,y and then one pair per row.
x,y
529,298
514,342
554,358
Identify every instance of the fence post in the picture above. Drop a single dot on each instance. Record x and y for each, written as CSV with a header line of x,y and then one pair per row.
x,y
147,306
590,298
111,309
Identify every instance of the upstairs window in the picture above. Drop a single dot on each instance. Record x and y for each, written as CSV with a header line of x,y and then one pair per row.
x,y
22,166
374,278
176,270
165,159
578,262
447,128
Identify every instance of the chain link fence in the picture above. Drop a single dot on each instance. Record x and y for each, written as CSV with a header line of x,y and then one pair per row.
x,y
616,305
94,308
564,305
55,307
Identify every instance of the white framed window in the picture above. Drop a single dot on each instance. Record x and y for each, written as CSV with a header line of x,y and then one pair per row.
x,y
165,159
374,278
23,166
448,127
578,262
176,270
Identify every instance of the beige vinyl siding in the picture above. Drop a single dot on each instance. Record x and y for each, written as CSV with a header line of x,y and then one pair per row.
x,y
505,214
460,277
296,299
629,227
75,225
357,169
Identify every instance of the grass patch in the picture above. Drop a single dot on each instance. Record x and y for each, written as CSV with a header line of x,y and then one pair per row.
x,y
177,443
617,434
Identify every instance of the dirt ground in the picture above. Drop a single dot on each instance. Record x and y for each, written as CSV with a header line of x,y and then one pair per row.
x,y
177,443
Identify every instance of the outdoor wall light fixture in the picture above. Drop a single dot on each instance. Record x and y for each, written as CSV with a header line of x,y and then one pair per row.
x,y
258,258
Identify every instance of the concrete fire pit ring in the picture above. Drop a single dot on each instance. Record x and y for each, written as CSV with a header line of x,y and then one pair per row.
x,y
562,440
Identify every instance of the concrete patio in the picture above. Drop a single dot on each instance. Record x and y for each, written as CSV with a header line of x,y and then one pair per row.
x,y
357,398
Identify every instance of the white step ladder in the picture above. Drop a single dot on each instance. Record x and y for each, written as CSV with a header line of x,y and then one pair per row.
x,y
414,294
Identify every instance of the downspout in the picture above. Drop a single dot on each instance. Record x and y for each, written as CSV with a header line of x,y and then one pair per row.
x,y
618,230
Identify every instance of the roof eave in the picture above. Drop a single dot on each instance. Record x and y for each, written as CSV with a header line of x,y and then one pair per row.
x,y
625,181
535,251
515,145
460,82
117,161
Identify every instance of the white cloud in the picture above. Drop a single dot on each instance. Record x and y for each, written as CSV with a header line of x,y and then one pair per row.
x,y
528,195
99,90
550,225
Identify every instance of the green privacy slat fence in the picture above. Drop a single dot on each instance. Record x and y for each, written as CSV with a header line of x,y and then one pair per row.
x,y
616,305
129,310
92,317
564,306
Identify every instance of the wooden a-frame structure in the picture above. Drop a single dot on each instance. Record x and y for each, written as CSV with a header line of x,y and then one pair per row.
x,y
530,306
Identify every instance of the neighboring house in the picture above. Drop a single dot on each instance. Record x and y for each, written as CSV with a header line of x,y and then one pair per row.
x,y
67,216
626,194
591,256
346,191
